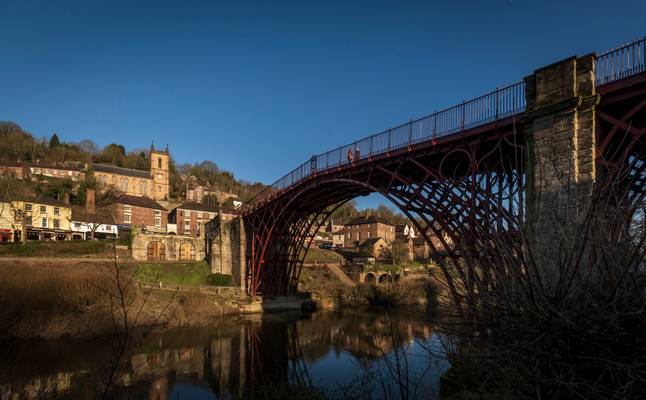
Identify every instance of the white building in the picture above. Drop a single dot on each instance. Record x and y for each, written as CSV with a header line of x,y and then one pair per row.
x,y
85,230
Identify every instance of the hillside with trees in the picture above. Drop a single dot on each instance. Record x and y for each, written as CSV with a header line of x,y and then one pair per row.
x,y
19,146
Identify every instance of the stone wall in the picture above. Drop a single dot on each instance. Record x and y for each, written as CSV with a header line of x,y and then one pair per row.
x,y
171,243
226,248
560,132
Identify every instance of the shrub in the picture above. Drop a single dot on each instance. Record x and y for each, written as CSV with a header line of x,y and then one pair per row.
x,y
219,280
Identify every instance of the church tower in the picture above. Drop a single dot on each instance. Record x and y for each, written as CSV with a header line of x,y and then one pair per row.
x,y
159,169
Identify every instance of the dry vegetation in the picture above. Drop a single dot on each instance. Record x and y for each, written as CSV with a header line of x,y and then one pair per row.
x,y
78,299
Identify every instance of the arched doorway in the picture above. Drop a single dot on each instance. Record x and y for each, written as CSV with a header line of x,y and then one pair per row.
x,y
156,251
385,279
187,252
370,279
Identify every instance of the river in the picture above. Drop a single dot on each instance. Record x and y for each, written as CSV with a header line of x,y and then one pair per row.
x,y
353,354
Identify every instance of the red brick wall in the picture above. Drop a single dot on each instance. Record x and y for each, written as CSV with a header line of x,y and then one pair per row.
x,y
141,216
195,218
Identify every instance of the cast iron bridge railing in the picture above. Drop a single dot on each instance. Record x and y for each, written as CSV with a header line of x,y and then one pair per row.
x,y
502,103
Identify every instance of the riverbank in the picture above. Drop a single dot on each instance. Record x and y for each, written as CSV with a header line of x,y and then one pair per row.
x,y
50,298
329,292
72,297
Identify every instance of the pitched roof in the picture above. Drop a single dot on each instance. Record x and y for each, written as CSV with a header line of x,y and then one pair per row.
x,y
46,201
145,202
370,241
111,169
370,219
102,216
189,205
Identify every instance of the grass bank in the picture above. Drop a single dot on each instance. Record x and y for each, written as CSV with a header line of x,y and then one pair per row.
x,y
321,256
192,273
67,248
50,298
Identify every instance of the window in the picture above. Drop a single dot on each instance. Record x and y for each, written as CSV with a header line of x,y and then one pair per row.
x,y
127,214
28,207
159,163
144,187
43,222
77,224
358,235
57,211
369,234
157,218
43,209
28,220
125,184
349,235
57,223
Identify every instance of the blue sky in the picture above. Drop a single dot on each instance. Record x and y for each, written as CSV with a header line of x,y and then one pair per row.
x,y
260,86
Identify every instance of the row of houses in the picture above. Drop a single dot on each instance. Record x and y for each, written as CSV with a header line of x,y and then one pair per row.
x,y
372,236
50,219
153,183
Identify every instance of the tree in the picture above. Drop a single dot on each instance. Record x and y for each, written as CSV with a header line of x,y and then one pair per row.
x,y
54,141
113,153
89,147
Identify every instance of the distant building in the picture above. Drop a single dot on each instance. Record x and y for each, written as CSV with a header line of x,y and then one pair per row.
x,y
367,227
154,183
7,222
197,193
141,212
91,223
87,227
374,247
17,170
74,173
333,227
190,217
35,219
338,239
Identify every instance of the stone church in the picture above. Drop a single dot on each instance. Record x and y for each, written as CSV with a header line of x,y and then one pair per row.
x,y
154,184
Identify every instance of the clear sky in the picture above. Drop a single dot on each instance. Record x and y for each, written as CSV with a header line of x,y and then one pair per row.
x,y
260,86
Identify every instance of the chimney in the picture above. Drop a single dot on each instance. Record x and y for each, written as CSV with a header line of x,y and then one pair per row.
x,y
90,201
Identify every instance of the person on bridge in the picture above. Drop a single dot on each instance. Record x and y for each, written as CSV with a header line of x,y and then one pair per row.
x,y
350,155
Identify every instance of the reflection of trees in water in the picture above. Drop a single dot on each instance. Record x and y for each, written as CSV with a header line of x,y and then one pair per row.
x,y
248,359
365,334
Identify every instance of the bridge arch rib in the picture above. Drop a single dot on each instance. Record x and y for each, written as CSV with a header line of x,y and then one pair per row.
x,y
450,193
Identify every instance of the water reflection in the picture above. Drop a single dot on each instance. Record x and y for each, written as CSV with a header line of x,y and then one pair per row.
x,y
353,354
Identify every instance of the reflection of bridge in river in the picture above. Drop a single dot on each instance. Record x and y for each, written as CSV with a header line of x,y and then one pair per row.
x,y
229,361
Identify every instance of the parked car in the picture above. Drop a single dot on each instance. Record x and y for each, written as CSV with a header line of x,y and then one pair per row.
x,y
327,246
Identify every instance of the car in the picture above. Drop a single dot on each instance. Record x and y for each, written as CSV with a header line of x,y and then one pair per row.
x,y
327,246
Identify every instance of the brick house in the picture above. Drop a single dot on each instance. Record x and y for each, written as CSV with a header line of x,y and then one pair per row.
x,y
141,212
367,227
190,217
16,170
